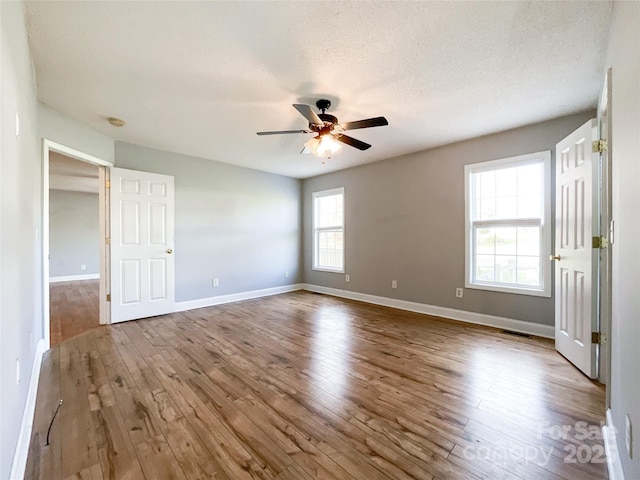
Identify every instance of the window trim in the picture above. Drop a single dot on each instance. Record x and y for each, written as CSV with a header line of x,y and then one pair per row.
x,y
546,226
316,230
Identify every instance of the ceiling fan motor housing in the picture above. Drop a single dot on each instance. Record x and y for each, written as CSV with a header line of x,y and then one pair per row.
x,y
325,117
329,120
323,104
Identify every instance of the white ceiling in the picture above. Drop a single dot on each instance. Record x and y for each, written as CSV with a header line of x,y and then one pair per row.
x,y
200,78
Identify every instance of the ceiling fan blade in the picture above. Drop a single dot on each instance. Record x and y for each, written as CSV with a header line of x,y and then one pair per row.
x,y
280,132
369,122
309,114
352,142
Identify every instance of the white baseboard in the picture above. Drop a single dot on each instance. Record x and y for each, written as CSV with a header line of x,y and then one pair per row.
x,y
536,329
74,278
235,297
22,448
614,465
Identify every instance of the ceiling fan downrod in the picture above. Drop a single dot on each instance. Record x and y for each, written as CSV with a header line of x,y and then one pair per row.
x,y
323,104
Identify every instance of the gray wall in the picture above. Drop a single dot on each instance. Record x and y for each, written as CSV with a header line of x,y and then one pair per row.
x,y
68,132
20,234
74,233
405,221
239,225
624,58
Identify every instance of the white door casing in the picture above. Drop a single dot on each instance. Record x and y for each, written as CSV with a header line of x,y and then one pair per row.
x,y
142,242
576,275
51,146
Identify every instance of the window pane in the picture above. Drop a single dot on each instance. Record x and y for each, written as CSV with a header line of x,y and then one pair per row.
x,y
330,249
506,241
529,241
508,255
529,206
530,179
529,271
508,193
485,268
487,185
505,269
485,241
329,210
506,182
507,207
487,210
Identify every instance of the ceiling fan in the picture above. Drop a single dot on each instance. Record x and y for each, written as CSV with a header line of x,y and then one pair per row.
x,y
329,130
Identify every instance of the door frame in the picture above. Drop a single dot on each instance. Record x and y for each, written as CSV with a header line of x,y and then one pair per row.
x,y
606,230
103,215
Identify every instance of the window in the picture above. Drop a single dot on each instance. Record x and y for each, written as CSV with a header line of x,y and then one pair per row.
x,y
328,230
508,224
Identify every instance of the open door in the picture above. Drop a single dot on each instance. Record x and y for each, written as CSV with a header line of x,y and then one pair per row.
x,y
577,223
142,238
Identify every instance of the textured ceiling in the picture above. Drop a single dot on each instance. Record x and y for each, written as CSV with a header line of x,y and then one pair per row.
x,y
200,78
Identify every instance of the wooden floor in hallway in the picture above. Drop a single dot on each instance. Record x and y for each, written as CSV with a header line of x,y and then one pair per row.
x,y
73,308
300,386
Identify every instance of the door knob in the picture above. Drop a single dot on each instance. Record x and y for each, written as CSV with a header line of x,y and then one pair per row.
x,y
554,257
169,251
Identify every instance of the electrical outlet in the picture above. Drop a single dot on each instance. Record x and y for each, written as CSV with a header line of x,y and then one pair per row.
x,y
286,273
459,292
17,371
83,267
347,278
17,125
628,436
394,284
215,282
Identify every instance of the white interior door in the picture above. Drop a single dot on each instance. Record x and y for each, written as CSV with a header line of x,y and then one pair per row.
x,y
142,235
576,279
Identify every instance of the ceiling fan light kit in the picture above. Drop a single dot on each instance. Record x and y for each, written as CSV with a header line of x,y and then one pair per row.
x,y
322,146
329,130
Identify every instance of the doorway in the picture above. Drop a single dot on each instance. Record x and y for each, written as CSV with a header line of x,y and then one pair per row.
x,y
75,273
74,248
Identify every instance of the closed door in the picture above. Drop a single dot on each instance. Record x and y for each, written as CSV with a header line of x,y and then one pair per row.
x,y
142,242
576,276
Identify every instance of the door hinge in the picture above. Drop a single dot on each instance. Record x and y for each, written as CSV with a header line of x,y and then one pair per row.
x,y
108,297
599,338
108,184
599,242
107,241
599,146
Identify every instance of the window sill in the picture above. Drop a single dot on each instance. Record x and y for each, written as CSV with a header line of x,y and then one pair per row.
x,y
505,289
329,270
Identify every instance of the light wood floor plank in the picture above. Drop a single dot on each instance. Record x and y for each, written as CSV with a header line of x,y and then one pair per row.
x,y
73,309
305,386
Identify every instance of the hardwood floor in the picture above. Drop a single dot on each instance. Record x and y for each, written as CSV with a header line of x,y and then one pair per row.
x,y
74,309
300,386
